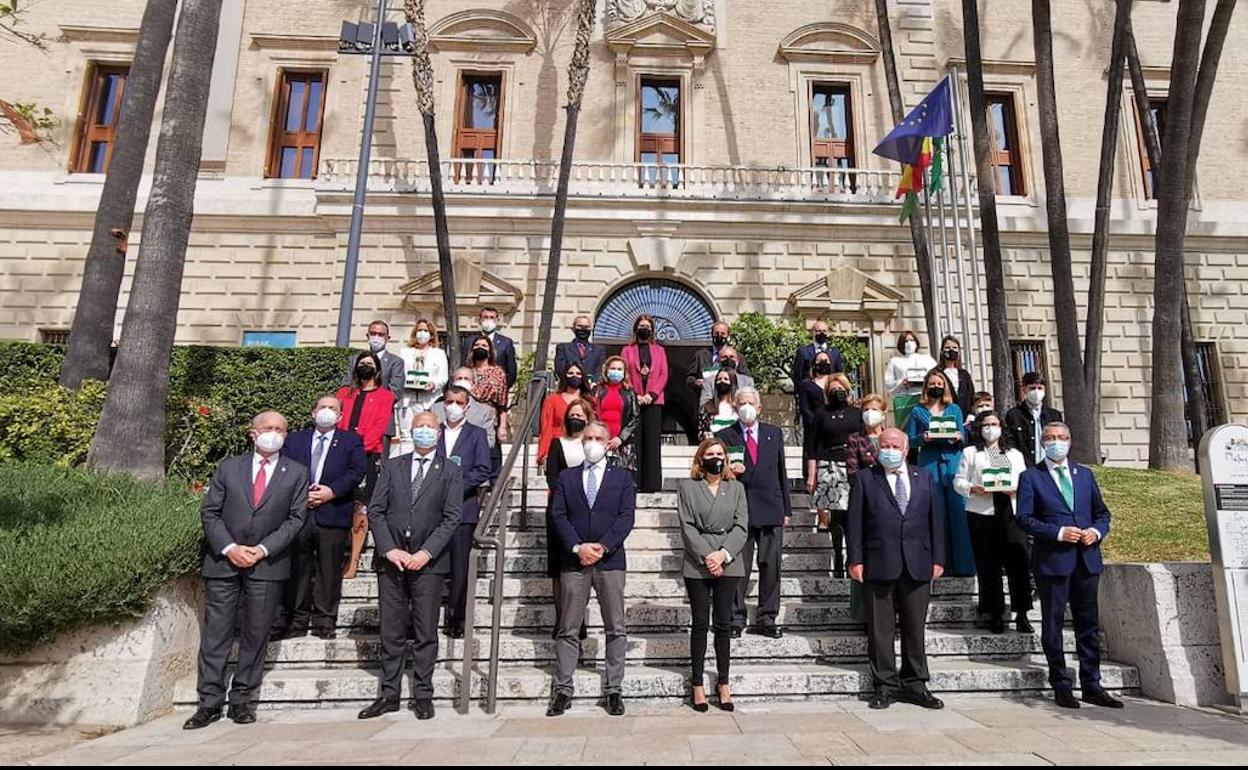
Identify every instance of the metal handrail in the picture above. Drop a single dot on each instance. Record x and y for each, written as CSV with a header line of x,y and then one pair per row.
x,y
494,517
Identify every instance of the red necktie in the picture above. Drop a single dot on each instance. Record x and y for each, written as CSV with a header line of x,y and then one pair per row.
x,y
580,350
257,486
751,444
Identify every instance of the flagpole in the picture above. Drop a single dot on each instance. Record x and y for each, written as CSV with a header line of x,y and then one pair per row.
x,y
981,344
957,245
944,257
931,262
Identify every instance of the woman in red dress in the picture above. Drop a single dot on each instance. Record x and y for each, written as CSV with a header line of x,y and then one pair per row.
x,y
572,386
618,410
367,409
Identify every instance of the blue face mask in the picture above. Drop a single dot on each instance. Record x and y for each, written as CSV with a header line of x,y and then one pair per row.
x,y
615,375
1056,450
425,437
891,458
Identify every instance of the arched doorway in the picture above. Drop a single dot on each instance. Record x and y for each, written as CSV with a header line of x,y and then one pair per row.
x,y
683,321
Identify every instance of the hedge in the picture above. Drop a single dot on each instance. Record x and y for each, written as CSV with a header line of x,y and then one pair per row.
x,y
78,548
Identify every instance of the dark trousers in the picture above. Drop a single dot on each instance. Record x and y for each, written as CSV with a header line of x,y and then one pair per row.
x,y
253,604
461,552
711,598
496,460
408,600
315,587
1079,591
892,604
999,545
649,454
769,544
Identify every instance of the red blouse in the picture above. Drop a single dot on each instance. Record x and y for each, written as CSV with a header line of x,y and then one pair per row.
x,y
611,408
554,409
375,415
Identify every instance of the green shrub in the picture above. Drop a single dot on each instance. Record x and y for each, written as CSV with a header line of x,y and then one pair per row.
x,y
770,346
49,425
26,366
77,548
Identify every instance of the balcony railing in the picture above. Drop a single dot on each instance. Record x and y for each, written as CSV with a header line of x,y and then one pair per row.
x,y
619,180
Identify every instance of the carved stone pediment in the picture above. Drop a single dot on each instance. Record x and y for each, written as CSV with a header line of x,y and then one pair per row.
x,y
661,35
846,292
482,30
694,11
830,42
475,288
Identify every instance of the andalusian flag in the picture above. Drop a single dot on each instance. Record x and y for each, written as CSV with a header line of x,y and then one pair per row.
x,y
917,143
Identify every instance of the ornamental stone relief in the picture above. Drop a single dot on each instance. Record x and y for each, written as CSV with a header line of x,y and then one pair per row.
x,y
695,11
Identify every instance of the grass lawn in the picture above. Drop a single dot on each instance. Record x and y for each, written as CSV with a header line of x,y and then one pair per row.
x,y
1157,516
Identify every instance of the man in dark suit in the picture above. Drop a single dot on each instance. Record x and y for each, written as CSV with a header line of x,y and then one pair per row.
x,y
1060,506
1025,422
336,465
413,516
252,513
766,481
806,354
466,446
895,524
392,374
592,511
585,354
504,347
707,359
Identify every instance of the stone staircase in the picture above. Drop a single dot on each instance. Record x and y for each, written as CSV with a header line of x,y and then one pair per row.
x,y
822,654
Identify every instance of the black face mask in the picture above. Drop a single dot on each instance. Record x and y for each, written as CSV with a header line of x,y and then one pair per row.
x,y
582,334
480,354
723,388
719,340
728,364
365,372
713,465
935,392
821,338
950,355
576,424
839,398
823,367
574,382
644,334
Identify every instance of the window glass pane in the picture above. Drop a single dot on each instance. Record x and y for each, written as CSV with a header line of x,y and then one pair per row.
x,y
289,156
108,99
996,116
314,104
99,154
481,102
294,108
1005,181
660,108
305,163
829,109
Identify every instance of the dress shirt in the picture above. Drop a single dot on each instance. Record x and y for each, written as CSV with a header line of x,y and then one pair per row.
x,y
417,460
450,436
328,437
256,457
598,469
1057,479
891,475
1039,432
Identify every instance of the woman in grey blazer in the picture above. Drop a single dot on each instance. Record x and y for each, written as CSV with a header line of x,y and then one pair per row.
x,y
713,521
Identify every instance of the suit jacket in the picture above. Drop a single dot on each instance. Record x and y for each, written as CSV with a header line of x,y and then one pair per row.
x,y
608,522
393,373
1042,511
424,524
657,381
344,469
881,538
591,363
964,395
708,524
229,516
767,481
708,388
504,354
472,455
705,359
805,359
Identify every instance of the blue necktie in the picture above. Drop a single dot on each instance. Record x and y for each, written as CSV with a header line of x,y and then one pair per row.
x,y
317,454
903,498
591,487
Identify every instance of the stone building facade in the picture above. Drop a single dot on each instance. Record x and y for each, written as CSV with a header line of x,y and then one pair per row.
x,y
723,165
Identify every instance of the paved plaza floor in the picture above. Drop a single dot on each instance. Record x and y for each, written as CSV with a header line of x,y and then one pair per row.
x,y
971,730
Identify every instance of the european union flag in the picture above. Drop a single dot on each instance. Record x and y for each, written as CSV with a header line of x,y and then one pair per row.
x,y
933,117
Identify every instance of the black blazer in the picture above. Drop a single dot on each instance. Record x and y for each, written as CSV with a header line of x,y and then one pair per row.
x,y
504,354
766,483
887,543
1020,428
229,516
965,396
702,361
344,469
595,356
472,455
805,359
609,522
426,524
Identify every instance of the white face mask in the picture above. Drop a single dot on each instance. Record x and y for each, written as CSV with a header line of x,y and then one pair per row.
x,y
910,347
748,413
454,413
422,337
376,343
326,418
270,442
992,433
465,384
1035,397
489,325
872,418
594,450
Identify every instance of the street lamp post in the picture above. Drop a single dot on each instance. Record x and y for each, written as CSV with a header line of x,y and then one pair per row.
x,y
375,40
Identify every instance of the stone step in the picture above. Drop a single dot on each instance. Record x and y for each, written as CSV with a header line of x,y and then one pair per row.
x,y
768,681
645,501
651,519
521,562
364,649
675,615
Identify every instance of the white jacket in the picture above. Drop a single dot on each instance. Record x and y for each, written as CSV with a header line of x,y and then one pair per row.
x,y
900,366
971,474
435,364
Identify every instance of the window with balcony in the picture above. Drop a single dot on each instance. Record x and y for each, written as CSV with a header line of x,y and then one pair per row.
x,y
1026,356
295,140
1007,158
97,131
478,116
1156,106
659,132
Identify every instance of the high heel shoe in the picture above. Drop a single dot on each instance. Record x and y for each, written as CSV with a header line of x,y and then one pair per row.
x,y
702,707
724,705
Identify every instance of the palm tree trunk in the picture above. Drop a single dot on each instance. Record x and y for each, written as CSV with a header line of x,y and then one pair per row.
x,y
1094,329
131,435
96,312
994,270
1066,311
578,74
1167,441
922,256
422,77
